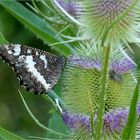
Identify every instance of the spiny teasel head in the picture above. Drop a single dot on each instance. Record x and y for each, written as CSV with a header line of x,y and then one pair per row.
x,y
116,21
114,122
82,80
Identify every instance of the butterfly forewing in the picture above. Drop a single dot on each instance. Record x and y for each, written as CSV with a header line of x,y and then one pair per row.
x,y
38,71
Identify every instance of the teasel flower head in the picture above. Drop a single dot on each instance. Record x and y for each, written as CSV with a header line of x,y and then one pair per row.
x,y
114,122
111,22
82,81
116,21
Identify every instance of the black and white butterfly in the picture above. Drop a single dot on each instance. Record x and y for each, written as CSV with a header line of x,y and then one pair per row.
x,y
37,70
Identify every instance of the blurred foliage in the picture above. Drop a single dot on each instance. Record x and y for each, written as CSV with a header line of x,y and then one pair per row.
x,y
14,116
6,135
54,122
41,28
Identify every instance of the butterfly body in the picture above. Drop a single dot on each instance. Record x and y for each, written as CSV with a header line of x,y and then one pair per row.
x,y
38,71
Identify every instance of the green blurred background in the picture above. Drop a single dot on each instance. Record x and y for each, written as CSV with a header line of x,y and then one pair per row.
x,y
13,115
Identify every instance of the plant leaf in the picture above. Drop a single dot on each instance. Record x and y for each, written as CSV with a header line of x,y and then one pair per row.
x,y
3,40
129,130
36,121
6,135
127,133
56,123
38,26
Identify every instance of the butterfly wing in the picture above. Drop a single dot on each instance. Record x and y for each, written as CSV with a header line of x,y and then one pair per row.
x,y
37,70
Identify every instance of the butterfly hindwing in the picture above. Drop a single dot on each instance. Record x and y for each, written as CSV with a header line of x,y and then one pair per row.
x,y
38,71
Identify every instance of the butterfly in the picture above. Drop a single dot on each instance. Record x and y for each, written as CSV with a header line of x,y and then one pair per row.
x,y
37,70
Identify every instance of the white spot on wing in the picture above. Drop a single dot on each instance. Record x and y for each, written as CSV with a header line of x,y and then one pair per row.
x,y
9,52
37,53
43,58
17,49
21,58
7,47
28,51
30,65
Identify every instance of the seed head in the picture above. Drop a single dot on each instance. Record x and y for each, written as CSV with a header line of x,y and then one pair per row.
x,y
110,18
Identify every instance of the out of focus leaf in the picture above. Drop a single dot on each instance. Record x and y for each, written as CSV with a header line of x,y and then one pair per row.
x,y
38,26
6,135
130,129
56,123
2,39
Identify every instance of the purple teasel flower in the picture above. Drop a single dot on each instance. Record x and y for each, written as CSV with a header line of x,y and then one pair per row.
x,y
119,66
138,109
82,78
113,121
76,120
109,9
117,101
84,62
122,66
70,7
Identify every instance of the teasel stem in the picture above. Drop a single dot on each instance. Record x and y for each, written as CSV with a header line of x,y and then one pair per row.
x,y
102,95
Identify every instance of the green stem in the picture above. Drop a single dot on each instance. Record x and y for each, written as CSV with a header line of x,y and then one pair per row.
x,y
38,123
92,125
99,123
130,128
